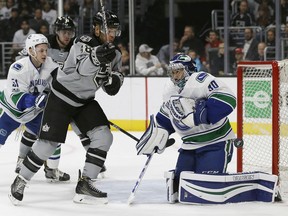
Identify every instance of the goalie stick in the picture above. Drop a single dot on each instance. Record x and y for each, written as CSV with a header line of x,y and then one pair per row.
x,y
133,192
170,142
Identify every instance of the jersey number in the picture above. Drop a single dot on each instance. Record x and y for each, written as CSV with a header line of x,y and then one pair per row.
x,y
213,85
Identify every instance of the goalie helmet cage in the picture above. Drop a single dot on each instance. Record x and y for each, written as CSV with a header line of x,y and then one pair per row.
x,y
262,118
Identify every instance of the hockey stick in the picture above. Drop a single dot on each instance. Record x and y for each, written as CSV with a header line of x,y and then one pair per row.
x,y
123,131
133,192
170,142
104,18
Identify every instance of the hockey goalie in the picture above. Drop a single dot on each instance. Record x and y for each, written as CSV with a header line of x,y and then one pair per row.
x,y
196,106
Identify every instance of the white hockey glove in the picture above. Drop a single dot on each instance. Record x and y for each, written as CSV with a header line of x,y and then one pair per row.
x,y
182,109
154,139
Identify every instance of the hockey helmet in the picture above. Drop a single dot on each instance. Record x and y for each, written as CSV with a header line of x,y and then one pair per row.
x,y
111,19
64,23
178,62
33,40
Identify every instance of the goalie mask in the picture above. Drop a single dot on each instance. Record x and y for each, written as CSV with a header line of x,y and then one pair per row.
x,y
180,68
111,19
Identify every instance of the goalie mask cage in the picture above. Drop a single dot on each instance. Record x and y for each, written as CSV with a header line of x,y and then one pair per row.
x,y
262,118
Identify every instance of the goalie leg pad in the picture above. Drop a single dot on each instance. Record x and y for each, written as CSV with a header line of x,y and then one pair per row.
x,y
219,189
172,196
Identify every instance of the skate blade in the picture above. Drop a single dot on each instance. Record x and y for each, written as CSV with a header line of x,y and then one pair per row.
x,y
85,199
13,200
55,181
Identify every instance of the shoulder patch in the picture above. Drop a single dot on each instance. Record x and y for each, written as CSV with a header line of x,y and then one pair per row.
x,y
201,77
17,66
85,38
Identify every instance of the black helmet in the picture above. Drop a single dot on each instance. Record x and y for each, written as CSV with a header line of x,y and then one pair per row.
x,y
111,19
64,23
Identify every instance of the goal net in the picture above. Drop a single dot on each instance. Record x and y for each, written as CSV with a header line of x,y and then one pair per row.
x,y
262,118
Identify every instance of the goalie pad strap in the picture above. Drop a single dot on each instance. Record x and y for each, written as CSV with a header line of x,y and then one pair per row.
x,y
224,188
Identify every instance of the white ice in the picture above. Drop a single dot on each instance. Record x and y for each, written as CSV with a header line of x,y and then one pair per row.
x,y
123,169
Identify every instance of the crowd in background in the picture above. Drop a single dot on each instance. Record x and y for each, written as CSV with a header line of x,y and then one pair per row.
x,y
19,18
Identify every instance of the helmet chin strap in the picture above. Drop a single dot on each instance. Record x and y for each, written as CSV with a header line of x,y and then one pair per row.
x,y
34,56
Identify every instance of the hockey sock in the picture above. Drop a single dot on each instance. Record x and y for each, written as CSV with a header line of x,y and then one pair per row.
x,y
54,160
95,159
27,141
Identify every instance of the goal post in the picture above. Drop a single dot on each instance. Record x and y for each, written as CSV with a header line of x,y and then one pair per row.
x,y
262,118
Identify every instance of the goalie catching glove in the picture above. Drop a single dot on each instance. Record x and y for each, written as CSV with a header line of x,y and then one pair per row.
x,y
188,111
153,140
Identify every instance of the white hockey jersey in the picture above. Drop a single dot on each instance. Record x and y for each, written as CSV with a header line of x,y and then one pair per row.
x,y
201,85
23,78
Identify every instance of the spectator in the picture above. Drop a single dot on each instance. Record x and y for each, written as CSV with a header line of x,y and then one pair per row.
x,y
264,16
11,25
147,64
38,21
270,40
25,10
49,14
243,17
195,57
284,11
125,68
44,30
70,10
250,45
164,51
213,41
261,51
217,62
238,57
5,12
190,41
21,35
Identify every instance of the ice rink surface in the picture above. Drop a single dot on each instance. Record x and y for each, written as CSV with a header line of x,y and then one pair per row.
x,y
123,168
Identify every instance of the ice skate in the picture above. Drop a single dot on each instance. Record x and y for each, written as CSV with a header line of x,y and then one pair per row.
x,y
17,190
19,164
87,193
55,175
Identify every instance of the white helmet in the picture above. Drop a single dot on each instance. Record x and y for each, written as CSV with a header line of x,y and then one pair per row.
x,y
33,40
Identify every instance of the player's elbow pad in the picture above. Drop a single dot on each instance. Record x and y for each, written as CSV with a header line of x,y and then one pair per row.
x,y
117,81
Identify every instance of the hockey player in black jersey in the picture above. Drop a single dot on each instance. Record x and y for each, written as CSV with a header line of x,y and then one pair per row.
x,y
92,63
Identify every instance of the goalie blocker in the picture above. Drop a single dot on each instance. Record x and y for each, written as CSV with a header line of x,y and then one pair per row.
x,y
222,188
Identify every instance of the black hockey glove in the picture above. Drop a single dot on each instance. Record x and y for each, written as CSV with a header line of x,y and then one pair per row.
x,y
103,75
117,81
105,53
